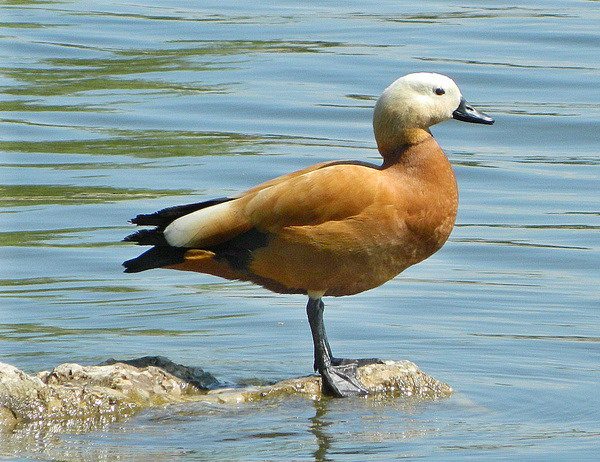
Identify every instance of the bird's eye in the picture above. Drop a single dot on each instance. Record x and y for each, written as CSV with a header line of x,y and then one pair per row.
x,y
439,91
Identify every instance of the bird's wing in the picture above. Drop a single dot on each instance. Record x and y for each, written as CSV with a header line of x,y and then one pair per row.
x,y
322,193
331,193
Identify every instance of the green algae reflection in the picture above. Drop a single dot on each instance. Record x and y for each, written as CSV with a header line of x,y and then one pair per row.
x,y
29,195
138,69
146,144
40,332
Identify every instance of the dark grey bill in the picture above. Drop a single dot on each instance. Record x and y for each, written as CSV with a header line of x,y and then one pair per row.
x,y
468,113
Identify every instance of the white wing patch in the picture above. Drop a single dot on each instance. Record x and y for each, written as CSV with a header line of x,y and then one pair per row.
x,y
202,226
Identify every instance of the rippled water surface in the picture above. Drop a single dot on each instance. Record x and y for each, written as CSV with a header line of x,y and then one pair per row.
x,y
112,108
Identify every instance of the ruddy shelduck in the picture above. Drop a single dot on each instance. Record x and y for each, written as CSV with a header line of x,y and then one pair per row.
x,y
336,228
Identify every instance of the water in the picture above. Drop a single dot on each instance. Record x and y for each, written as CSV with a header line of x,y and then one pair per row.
x,y
114,108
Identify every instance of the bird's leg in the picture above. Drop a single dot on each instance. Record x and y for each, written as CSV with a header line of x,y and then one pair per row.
x,y
339,375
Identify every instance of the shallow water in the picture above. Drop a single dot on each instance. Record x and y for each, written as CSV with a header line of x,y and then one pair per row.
x,y
113,108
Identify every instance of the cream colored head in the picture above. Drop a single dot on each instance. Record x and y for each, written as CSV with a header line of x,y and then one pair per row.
x,y
413,102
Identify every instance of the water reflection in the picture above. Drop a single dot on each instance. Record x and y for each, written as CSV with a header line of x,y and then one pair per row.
x,y
144,143
318,427
372,425
67,76
467,13
41,439
40,333
528,65
517,243
162,144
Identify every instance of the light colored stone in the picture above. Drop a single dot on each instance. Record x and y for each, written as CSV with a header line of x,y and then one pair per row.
x,y
87,396
394,378
401,378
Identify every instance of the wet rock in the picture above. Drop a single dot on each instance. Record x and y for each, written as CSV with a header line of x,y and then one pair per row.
x,y
72,391
97,394
393,378
401,378
193,376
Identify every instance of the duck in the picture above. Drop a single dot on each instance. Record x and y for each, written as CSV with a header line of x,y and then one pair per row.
x,y
333,229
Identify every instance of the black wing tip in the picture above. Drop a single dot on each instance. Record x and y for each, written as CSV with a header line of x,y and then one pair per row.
x,y
130,266
163,217
130,238
147,237
156,257
144,219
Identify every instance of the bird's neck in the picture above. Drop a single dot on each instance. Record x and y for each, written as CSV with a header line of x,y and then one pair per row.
x,y
422,163
394,149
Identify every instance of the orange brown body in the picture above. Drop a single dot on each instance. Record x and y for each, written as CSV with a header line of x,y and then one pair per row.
x,y
341,228
336,228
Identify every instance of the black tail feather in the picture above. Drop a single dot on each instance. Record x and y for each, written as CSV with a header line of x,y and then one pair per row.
x,y
163,254
156,257
163,217
147,237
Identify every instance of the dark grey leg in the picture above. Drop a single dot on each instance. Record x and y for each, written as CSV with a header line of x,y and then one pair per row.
x,y
339,375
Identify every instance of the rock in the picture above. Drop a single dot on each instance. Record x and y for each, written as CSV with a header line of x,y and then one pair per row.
x,y
401,378
394,378
72,391
93,395
191,375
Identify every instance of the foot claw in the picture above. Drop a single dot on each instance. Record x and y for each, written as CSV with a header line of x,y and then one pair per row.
x,y
340,379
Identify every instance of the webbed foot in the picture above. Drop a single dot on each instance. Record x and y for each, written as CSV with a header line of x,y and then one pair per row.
x,y
340,378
